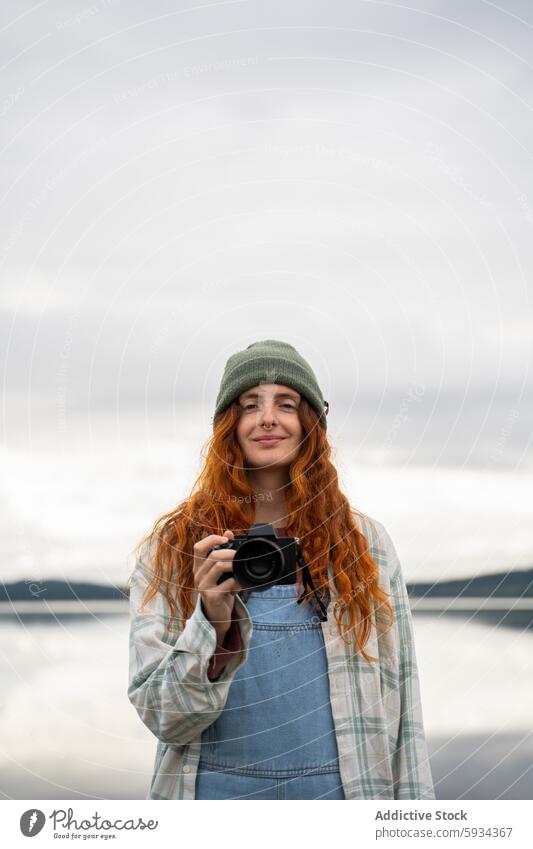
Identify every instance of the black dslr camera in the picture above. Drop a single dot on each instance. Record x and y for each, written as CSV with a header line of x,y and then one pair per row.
x,y
262,559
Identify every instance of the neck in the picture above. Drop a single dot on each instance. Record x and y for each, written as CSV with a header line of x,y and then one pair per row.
x,y
270,487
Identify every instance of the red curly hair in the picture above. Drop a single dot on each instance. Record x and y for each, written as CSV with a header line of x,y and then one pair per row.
x,y
317,513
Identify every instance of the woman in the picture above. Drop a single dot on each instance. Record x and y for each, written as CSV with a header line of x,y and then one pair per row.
x,y
307,690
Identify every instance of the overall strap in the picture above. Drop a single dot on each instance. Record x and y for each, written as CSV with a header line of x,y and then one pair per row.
x,y
308,583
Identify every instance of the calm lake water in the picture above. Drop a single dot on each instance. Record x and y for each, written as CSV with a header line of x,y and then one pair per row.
x,y
75,503
69,730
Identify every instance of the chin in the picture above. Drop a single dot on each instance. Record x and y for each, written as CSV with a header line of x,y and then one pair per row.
x,y
266,459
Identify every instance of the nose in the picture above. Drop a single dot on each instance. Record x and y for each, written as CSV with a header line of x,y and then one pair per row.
x,y
266,414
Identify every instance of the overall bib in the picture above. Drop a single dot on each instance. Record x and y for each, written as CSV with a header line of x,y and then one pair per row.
x,y
275,738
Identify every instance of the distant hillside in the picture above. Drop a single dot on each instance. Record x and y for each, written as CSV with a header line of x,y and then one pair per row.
x,y
504,584
58,590
517,584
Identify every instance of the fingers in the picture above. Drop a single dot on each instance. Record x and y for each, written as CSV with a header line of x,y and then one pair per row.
x,y
222,556
228,586
201,547
205,559
211,570
203,564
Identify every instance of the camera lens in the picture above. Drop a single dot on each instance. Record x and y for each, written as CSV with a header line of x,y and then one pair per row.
x,y
260,560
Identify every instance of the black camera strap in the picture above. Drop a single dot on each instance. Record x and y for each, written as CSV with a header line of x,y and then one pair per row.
x,y
308,583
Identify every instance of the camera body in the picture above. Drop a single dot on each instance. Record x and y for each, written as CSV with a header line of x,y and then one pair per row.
x,y
262,559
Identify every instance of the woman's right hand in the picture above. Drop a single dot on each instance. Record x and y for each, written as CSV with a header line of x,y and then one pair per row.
x,y
217,600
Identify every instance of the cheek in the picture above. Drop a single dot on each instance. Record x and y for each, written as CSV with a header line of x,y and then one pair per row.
x,y
297,431
241,432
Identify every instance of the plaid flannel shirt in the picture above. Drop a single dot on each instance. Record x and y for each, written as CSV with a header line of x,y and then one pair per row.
x,y
376,706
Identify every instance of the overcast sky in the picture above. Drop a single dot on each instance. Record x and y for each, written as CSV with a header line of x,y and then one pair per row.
x,y
356,178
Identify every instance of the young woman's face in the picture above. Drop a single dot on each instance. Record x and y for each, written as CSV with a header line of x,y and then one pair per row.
x,y
266,411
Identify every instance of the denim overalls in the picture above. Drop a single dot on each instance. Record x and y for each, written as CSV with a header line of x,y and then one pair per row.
x,y
275,738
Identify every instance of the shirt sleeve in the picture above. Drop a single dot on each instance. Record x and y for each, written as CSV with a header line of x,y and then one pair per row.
x,y
168,683
225,651
410,763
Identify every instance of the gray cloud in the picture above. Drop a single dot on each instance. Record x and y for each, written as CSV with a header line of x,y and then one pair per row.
x,y
354,178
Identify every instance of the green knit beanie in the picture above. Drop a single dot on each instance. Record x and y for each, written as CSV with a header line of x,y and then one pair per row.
x,y
270,361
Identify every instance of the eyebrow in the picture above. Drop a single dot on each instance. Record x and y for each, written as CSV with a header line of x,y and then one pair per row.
x,y
277,395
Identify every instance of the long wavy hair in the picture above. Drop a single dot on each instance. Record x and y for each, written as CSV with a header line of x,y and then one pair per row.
x,y
317,513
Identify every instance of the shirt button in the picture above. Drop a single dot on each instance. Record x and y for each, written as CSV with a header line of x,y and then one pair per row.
x,y
186,768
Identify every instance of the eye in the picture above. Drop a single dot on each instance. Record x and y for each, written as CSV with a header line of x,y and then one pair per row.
x,y
287,404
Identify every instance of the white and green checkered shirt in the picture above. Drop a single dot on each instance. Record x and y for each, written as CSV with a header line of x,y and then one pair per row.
x,y
376,706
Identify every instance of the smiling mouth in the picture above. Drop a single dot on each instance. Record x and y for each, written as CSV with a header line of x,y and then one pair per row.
x,y
269,440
